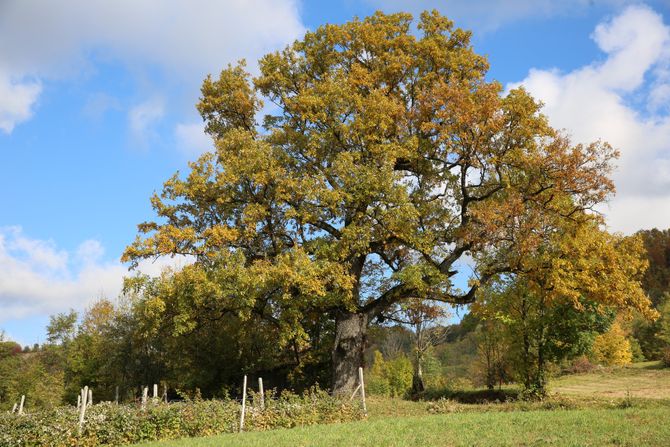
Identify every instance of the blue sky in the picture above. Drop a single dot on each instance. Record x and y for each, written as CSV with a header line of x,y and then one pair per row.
x,y
97,110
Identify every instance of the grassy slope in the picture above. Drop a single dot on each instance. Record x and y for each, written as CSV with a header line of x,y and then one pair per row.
x,y
396,422
632,427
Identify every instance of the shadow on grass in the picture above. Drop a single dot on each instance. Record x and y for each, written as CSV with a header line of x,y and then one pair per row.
x,y
481,396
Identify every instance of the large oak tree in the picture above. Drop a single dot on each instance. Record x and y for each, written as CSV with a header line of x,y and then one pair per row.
x,y
384,158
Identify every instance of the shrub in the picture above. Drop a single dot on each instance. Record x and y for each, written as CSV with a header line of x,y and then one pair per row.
x,y
636,350
399,372
109,424
612,347
389,377
580,365
665,357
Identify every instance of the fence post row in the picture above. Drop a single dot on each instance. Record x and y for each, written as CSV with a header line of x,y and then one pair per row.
x,y
85,398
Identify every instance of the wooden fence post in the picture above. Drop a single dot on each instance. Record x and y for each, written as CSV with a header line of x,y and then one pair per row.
x,y
79,400
362,385
155,391
261,392
23,399
82,409
116,395
89,402
145,395
244,402
14,408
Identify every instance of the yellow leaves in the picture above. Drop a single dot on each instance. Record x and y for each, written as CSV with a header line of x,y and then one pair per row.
x,y
220,235
169,238
612,347
228,102
606,268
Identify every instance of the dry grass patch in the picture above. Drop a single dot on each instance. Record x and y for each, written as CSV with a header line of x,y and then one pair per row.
x,y
644,380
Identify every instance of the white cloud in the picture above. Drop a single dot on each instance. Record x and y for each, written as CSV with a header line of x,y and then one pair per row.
x,y
37,278
602,101
17,100
487,15
142,117
187,39
192,139
90,251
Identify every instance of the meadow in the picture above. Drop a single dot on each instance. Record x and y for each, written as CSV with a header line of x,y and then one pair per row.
x,y
626,406
633,427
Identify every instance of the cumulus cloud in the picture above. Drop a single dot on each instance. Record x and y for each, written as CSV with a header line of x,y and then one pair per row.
x,y
188,39
487,15
17,101
38,278
618,100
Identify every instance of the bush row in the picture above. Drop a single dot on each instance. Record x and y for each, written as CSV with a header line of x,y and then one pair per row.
x,y
110,424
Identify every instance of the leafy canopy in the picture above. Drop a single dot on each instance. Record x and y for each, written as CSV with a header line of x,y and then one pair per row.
x,y
384,158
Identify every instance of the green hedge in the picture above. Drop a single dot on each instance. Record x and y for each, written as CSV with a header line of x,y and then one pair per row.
x,y
109,424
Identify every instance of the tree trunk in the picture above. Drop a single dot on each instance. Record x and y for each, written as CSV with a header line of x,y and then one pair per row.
x,y
348,351
417,380
418,386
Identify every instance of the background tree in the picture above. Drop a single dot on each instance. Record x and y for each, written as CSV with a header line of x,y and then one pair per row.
x,y
424,318
656,283
388,157
657,278
492,347
566,293
612,347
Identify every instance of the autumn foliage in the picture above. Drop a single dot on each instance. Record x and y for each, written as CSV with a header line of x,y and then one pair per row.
x,y
386,158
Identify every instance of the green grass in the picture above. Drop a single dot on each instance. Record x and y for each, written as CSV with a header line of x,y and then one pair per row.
x,y
629,427
585,410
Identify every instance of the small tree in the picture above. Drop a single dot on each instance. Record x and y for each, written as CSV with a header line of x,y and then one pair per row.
x,y
612,347
492,350
564,295
424,318
390,377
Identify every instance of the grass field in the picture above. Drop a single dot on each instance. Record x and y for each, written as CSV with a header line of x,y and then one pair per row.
x,y
630,427
621,406
644,380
